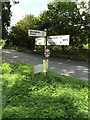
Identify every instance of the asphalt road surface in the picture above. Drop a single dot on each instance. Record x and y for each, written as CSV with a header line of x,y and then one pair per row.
x,y
66,67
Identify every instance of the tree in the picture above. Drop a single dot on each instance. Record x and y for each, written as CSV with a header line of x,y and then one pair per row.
x,y
65,18
6,17
60,18
19,32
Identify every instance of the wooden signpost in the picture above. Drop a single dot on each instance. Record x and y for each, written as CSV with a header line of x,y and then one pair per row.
x,y
36,69
46,40
40,68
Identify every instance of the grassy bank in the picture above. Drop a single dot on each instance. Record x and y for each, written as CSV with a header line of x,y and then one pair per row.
x,y
58,97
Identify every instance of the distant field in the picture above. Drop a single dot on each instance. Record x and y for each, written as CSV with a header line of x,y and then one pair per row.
x,y
58,97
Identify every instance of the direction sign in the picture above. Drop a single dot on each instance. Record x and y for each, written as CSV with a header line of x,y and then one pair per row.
x,y
47,53
58,40
37,33
40,41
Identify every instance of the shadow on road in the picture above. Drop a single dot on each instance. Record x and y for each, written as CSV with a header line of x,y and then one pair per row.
x,y
62,66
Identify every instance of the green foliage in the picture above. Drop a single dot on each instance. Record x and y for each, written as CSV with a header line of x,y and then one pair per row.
x,y
58,97
65,18
2,43
61,18
6,18
19,33
6,15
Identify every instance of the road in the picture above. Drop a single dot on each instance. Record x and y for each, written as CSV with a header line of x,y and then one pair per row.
x,y
62,66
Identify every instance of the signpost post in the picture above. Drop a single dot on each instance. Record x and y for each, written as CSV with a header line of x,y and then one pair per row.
x,y
45,67
46,40
45,46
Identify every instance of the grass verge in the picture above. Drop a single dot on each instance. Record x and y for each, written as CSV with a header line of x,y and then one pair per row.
x,y
58,97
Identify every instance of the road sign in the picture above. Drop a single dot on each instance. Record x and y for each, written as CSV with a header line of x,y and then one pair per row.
x,y
58,40
47,53
38,68
40,41
37,33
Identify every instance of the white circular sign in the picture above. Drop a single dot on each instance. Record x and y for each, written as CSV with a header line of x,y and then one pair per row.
x,y
47,53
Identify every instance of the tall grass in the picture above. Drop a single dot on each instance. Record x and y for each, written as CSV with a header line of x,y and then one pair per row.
x,y
58,97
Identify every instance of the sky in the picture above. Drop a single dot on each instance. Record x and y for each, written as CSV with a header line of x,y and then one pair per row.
x,y
25,7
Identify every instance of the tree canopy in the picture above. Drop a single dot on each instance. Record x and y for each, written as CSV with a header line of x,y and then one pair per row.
x,y
19,32
61,18
6,18
6,15
65,18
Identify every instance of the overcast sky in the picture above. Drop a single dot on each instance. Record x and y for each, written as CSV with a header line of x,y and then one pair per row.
x,y
34,7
